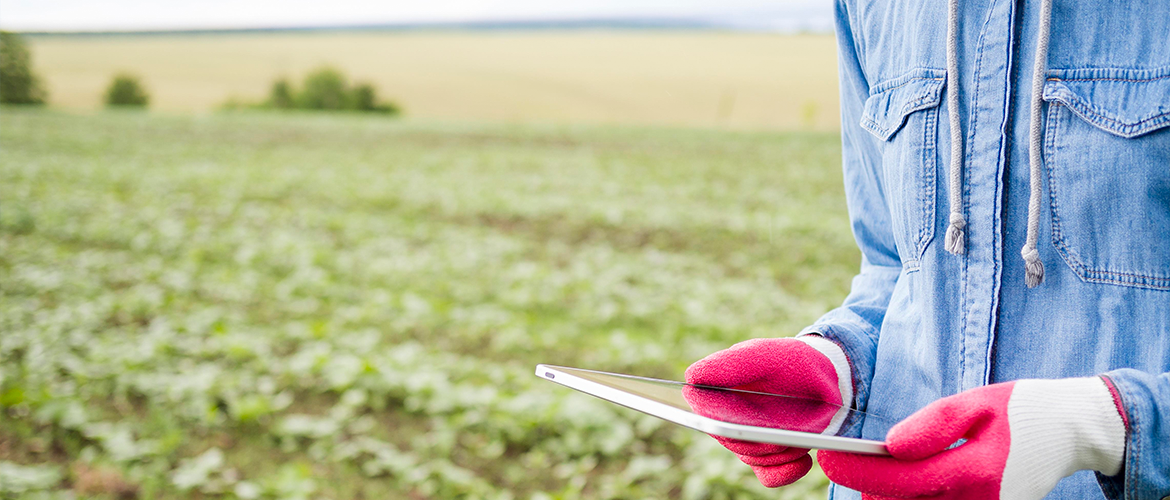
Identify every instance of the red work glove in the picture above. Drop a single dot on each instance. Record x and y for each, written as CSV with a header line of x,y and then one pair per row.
x,y
810,368
1021,438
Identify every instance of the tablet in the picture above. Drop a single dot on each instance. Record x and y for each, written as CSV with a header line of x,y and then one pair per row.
x,y
743,415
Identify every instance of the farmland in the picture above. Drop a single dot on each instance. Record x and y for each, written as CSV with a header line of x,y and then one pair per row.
x,y
304,306
699,79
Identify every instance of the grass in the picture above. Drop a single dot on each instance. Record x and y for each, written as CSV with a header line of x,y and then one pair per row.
x,y
703,79
327,306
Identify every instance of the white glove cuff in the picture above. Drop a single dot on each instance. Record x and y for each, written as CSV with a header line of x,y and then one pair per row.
x,y
844,375
1057,428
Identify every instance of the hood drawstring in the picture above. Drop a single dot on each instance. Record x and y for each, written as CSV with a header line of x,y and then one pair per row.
x,y
955,242
1034,269
955,239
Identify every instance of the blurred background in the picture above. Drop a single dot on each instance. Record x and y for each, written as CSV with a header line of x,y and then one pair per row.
x,y
313,250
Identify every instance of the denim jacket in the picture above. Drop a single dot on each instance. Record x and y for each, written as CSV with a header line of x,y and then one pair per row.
x,y
922,323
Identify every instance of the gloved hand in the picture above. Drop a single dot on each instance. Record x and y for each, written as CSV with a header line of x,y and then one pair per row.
x,y
809,367
1021,438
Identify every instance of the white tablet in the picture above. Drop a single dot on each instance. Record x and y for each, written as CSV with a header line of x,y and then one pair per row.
x,y
743,415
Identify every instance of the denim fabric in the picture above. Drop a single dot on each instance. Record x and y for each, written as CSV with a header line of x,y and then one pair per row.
x,y
921,323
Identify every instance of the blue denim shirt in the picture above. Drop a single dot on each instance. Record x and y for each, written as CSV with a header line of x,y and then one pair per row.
x,y
921,323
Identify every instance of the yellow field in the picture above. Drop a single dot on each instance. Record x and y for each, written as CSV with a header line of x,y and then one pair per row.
x,y
736,80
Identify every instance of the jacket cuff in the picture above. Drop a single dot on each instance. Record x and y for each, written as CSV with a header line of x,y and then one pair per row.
x,y
1145,403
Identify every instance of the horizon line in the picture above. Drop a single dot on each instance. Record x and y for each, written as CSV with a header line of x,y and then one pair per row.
x,y
617,23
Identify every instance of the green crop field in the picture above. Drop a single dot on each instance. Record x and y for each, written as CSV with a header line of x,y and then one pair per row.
x,y
703,79
298,306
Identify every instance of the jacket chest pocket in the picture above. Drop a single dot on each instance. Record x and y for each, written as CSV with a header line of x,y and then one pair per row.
x,y
1107,155
904,114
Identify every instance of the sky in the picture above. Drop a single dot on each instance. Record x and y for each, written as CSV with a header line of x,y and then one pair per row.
x,y
133,15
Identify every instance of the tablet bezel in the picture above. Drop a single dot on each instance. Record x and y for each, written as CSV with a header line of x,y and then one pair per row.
x,y
708,425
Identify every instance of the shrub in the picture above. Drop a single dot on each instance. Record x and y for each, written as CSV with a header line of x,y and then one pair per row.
x,y
281,95
364,97
18,84
324,89
126,90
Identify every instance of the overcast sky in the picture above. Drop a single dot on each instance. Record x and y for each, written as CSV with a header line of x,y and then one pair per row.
x,y
113,15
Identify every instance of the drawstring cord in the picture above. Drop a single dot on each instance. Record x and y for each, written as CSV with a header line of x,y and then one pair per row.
x,y
955,239
1034,269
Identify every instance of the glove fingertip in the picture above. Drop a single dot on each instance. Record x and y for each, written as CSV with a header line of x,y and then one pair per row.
x,y
780,457
749,448
783,475
692,373
710,370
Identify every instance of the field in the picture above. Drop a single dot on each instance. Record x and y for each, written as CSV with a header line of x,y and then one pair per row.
x,y
303,306
703,79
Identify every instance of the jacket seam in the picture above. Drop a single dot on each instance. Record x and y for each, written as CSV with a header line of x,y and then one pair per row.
x,y
1131,80
932,97
926,196
1093,116
885,130
1133,448
966,312
906,78
997,243
1100,117
908,81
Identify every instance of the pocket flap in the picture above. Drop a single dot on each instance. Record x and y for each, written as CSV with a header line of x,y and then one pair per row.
x,y
891,101
1123,102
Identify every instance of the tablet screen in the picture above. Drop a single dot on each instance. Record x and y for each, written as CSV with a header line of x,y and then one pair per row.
x,y
758,409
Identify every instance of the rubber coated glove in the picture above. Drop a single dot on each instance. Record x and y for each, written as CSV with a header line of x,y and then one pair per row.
x,y
1020,437
810,367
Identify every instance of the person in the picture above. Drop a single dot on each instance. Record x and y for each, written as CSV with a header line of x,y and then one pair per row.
x,y
1007,175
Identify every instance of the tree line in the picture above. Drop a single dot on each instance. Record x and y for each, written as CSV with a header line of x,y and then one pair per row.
x,y
325,88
